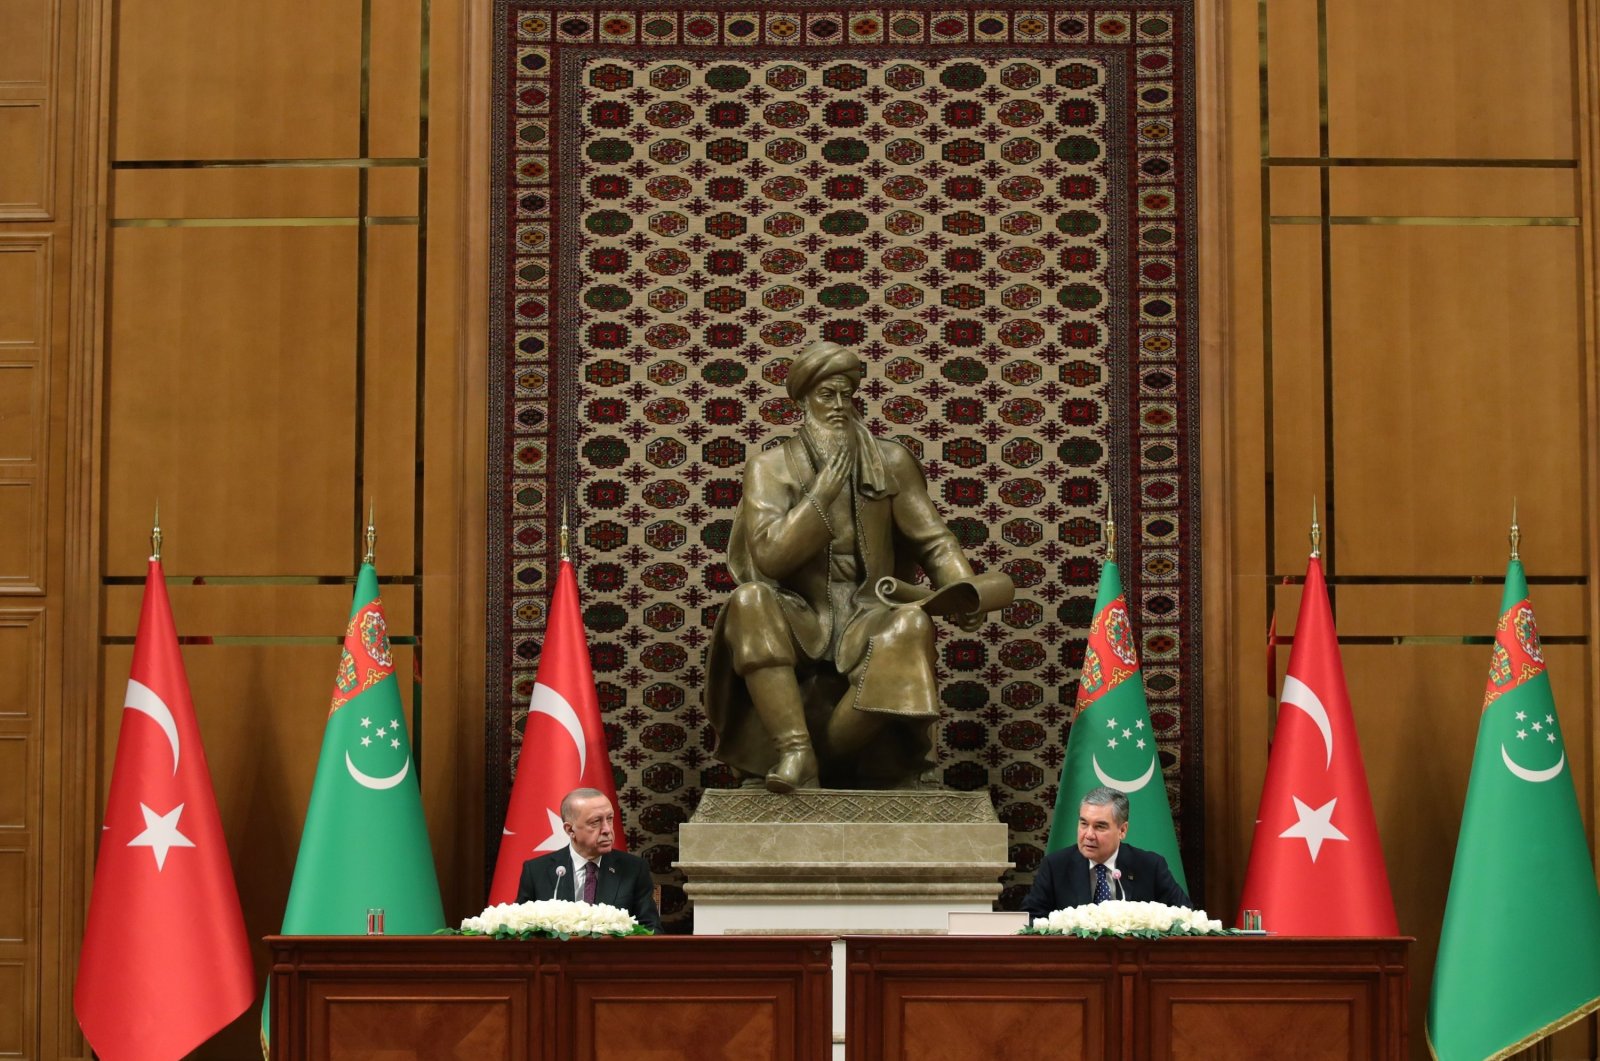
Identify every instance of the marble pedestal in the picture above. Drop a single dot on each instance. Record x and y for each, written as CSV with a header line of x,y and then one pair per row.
x,y
839,861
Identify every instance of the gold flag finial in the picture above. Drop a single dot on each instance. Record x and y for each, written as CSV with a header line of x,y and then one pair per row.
x,y
155,534
372,533
1316,531
566,535
1111,536
1516,532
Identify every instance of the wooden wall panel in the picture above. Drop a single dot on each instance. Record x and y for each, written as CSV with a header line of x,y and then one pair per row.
x,y
25,39
390,437
22,663
231,394
1290,64
395,94
1299,455
227,608
232,193
1455,361
1457,610
200,80
1434,191
25,157
15,1006
1421,252
21,537
24,294
21,426
282,349
1436,79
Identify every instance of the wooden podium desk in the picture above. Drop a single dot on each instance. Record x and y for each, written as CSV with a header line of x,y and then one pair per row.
x,y
1023,998
396,998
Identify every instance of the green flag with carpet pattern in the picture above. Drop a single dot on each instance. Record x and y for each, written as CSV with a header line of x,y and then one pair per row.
x,y
1112,742
365,842
1519,953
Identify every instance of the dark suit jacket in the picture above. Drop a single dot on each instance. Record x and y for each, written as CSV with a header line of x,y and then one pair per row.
x,y
1064,880
625,883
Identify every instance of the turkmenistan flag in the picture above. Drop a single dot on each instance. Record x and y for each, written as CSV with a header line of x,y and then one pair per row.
x,y
1112,742
1519,954
365,842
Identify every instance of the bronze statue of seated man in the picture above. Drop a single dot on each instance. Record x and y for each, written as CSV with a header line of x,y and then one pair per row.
x,y
821,667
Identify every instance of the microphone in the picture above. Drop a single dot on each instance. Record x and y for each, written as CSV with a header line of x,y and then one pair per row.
x,y
1116,877
561,871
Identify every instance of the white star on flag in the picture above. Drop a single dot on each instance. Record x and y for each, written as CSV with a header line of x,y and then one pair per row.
x,y
161,834
558,836
1314,826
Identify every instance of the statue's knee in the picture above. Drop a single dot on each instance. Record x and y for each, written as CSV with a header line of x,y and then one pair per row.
x,y
756,630
751,599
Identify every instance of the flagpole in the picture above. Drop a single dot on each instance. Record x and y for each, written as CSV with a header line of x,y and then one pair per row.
x,y
1516,532
155,535
1316,531
372,533
566,535
1111,536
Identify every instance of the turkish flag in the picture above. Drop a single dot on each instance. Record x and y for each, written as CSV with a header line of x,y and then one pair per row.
x,y
563,744
1316,867
165,961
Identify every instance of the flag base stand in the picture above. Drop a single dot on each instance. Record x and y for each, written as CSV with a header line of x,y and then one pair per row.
x,y
836,862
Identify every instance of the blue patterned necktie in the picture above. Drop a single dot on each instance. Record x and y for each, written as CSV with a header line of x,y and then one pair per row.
x,y
1102,884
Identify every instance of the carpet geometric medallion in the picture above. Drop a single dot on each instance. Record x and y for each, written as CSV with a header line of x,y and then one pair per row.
x,y
994,205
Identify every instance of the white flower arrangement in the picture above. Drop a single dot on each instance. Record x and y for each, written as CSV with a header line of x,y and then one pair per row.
x,y
1121,917
552,919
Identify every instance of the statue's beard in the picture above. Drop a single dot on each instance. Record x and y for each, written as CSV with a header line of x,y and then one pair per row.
x,y
830,438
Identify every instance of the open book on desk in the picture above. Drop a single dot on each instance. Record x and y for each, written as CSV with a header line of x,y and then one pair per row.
x,y
974,594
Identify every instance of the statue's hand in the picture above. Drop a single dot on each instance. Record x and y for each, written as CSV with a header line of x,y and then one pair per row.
x,y
970,623
835,473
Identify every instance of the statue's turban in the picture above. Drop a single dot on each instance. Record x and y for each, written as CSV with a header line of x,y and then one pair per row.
x,y
816,363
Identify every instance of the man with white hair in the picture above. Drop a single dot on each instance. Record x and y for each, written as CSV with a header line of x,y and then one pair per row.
x,y
1101,867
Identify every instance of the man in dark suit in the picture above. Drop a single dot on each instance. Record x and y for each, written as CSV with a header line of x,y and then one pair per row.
x,y
589,870
1101,867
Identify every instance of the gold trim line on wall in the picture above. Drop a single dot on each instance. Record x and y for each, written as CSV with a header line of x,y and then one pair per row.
x,y
235,640
259,222
1428,222
270,163
1345,161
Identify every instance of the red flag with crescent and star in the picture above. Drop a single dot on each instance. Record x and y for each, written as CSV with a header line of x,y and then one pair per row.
x,y
1316,867
563,744
166,960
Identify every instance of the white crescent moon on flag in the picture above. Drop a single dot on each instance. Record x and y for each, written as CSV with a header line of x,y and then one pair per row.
x,y
368,781
1535,776
1297,693
546,701
1124,786
143,699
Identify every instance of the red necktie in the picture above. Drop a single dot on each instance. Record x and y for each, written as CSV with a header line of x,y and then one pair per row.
x,y
591,880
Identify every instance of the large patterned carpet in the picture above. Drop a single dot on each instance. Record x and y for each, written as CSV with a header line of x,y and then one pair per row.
x,y
993,205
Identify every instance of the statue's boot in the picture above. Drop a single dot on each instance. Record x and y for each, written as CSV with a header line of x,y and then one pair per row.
x,y
776,695
797,765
